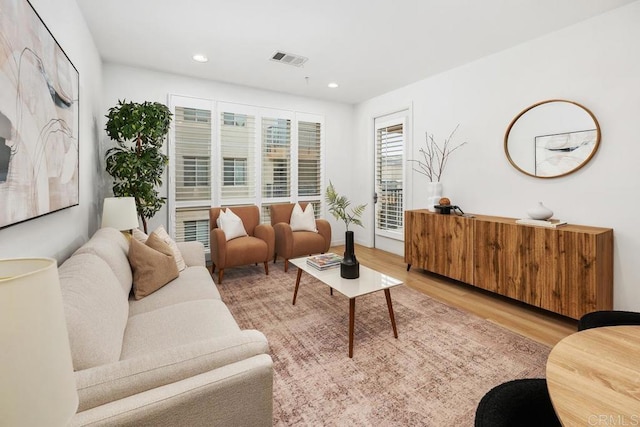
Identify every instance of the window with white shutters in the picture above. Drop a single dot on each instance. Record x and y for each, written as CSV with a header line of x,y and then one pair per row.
x,y
276,158
193,154
191,174
389,177
309,156
226,154
238,157
192,224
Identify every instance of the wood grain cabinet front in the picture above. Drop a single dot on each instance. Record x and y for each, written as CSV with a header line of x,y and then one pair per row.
x,y
442,244
566,270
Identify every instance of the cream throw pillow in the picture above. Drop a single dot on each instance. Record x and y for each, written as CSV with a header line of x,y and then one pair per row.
x,y
231,224
303,220
164,236
139,235
153,265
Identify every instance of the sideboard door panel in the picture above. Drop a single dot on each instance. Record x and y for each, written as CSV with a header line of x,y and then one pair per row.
x,y
490,256
441,244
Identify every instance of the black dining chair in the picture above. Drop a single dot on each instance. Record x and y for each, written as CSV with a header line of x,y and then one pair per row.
x,y
521,402
598,319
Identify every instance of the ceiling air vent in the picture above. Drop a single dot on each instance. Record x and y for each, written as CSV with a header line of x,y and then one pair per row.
x,y
289,58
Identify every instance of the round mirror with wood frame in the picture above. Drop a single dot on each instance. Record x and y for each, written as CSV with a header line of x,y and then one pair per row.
x,y
552,138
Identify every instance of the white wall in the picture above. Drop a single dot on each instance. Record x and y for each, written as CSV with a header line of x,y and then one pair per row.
x,y
594,63
139,85
59,234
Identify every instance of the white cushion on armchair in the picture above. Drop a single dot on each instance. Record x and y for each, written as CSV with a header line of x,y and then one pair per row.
x,y
303,220
231,224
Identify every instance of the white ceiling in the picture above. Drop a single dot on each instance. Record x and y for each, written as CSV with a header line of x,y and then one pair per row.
x,y
368,47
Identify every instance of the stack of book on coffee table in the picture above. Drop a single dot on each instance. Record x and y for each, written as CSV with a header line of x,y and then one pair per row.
x,y
324,261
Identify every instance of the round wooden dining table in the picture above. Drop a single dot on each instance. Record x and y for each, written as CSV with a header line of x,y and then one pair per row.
x,y
593,377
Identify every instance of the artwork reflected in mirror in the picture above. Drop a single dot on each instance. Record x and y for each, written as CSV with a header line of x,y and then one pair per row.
x,y
552,138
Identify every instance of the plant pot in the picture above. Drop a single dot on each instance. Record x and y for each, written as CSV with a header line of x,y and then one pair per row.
x,y
349,267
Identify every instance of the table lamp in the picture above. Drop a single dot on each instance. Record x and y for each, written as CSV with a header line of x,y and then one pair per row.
x,y
37,384
120,213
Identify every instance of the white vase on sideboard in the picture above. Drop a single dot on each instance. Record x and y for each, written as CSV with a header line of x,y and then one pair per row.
x,y
540,212
434,193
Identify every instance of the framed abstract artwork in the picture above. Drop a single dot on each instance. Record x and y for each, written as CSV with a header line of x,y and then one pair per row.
x,y
39,118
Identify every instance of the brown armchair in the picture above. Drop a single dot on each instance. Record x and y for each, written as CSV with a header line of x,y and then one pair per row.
x,y
257,246
291,244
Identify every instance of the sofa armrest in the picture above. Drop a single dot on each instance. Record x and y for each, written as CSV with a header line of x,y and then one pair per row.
x,y
265,232
193,253
324,229
102,384
238,394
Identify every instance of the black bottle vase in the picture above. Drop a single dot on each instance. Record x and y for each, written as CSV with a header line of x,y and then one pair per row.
x,y
349,267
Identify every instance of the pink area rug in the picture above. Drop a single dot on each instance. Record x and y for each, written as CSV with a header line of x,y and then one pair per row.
x,y
434,374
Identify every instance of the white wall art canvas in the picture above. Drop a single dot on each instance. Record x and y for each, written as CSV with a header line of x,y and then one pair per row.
x,y
39,117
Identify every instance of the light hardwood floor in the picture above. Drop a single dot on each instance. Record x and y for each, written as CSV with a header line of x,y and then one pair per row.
x,y
540,325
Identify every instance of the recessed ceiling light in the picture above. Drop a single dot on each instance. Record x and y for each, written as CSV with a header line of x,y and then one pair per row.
x,y
333,85
200,58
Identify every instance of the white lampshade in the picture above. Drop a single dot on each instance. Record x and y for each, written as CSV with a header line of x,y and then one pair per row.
x,y
37,384
120,213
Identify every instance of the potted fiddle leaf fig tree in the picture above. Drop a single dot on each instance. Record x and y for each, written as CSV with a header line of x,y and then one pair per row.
x,y
137,163
349,267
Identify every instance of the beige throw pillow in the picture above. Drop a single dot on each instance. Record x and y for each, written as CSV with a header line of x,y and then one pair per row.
x,y
153,265
303,220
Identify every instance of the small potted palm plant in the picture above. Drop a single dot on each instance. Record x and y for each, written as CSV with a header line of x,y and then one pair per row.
x,y
349,267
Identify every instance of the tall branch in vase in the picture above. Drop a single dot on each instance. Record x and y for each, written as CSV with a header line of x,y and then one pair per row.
x,y
435,157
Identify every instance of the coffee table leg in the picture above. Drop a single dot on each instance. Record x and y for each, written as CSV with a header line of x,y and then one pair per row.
x,y
295,292
352,312
387,294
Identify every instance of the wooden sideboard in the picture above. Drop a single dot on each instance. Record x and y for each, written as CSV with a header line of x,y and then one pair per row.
x,y
567,270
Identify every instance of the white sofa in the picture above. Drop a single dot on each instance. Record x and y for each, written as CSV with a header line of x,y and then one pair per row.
x,y
175,357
